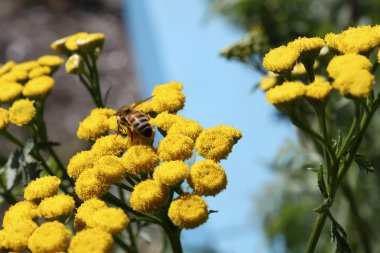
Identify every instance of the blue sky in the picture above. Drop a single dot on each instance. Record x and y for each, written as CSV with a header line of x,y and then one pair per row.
x,y
173,40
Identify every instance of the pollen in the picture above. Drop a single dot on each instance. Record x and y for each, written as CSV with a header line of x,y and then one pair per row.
x,y
148,195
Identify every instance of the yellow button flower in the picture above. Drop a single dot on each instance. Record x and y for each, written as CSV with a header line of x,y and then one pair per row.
x,y
340,63
110,145
75,64
171,173
92,127
108,112
110,169
91,41
217,142
41,188
38,86
14,76
88,186
6,67
4,118
188,211
91,240
23,210
165,120
318,90
304,45
148,196
111,220
80,162
140,159
357,83
16,235
22,112
85,212
9,91
59,46
175,147
25,66
207,178
50,237
56,206
50,60
40,71
281,59
187,127
268,82
287,92
71,42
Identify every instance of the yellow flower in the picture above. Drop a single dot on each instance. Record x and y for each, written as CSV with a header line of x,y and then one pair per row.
x,y
22,112
50,237
359,39
2,239
281,59
50,60
110,169
171,173
71,42
207,178
268,82
59,46
91,41
24,210
287,92
108,112
140,159
304,45
80,162
56,206
4,118
165,120
217,142
6,67
299,68
112,125
110,145
340,63
187,127
148,195
40,71
175,147
16,235
92,127
85,212
88,186
111,220
75,64
41,188
9,91
14,76
188,211
358,83
26,66
38,86
91,241
318,90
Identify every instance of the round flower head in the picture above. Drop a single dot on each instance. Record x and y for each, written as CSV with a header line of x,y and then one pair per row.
x,y
281,59
207,178
80,162
41,188
186,127
6,67
169,99
111,220
217,142
355,84
165,120
340,63
140,159
50,60
188,211
110,169
24,210
268,82
14,76
171,173
85,212
110,145
318,90
92,127
75,64
108,112
26,66
50,237
287,92
71,42
148,195
92,240
9,91
40,71
308,47
89,186
175,147
22,112
359,39
59,46
4,118
56,206
91,41
16,235
38,87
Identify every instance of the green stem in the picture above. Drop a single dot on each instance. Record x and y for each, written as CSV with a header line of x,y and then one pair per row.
x,y
11,138
174,235
123,245
316,232
132,238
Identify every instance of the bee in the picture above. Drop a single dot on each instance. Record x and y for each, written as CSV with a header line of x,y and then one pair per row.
x,y
134,120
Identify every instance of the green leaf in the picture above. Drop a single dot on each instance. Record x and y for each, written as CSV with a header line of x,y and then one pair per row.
x,y
107,95
363,163
339,236
323,207
338,143
321,182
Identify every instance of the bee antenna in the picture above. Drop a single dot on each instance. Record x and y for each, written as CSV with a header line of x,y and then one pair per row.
x,y
141,101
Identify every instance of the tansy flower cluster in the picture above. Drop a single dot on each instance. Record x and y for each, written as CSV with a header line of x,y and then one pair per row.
x,y
37,223
151,173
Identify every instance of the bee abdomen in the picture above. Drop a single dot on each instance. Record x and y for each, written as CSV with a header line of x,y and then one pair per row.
x,y
141,124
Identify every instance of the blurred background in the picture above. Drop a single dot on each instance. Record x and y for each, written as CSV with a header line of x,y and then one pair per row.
x,y
267,204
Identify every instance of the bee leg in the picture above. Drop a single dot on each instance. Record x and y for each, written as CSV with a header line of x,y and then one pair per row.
x,y
129,133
